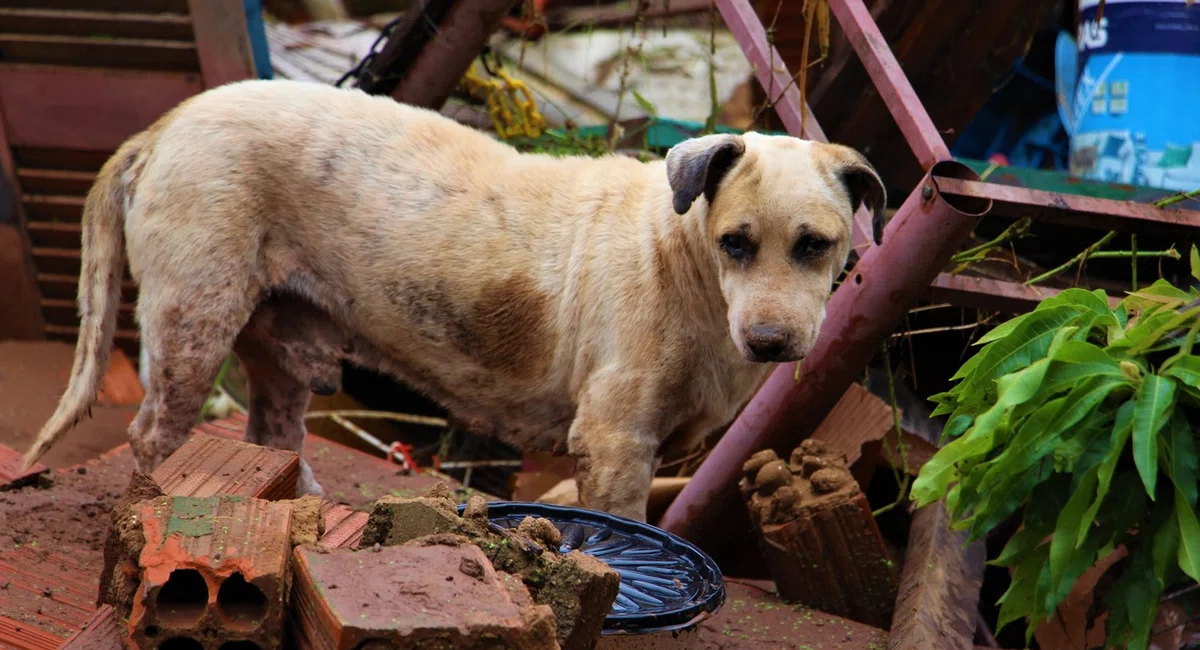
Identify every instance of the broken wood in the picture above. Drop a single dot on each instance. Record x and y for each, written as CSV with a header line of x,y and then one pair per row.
x,y
817,534
939,587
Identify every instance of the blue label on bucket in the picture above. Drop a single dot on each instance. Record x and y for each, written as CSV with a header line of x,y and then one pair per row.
x,y
1136,94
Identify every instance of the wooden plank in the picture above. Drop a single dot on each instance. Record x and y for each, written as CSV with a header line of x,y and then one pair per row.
x,y
859,417
55,181
92,109
66,287
19,316
125,53
134,6
66,22
54,234
52,208
66,313
939,587
67,333
222,42
61,261
75,160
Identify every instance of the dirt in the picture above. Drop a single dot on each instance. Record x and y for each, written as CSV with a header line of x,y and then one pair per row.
x,y
754,618
816,479
33,375
307,523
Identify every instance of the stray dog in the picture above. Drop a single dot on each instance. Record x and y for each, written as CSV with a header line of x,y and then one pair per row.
x,y
606,308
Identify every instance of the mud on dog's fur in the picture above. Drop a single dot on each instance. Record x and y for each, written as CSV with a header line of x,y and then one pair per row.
x,y
603,307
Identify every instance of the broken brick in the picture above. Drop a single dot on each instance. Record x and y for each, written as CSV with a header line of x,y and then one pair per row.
x,y
103,632
214,569
11,474
438,596
580,589
818,535
208,465
307,521
343,525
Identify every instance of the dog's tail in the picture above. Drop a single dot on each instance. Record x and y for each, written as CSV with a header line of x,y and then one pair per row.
x,y
102,265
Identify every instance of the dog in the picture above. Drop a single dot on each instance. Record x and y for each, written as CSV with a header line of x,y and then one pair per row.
x,y
606,308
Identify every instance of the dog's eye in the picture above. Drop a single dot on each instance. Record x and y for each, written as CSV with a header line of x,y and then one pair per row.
x,y
737,246
809,247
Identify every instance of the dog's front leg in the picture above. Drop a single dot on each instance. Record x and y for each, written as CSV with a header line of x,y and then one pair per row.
x,y
615,461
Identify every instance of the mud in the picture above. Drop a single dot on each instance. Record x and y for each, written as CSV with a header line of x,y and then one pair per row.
x,y
579,589
816,479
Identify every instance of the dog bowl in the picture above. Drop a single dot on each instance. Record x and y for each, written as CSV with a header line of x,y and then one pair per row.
x,y
668,586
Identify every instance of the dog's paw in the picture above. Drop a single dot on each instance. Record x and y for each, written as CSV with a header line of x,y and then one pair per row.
x,y
307,484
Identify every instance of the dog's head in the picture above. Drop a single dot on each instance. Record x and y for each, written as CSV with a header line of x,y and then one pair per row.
x,y
778,220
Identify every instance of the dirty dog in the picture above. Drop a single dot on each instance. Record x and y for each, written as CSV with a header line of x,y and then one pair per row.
x,y
606,308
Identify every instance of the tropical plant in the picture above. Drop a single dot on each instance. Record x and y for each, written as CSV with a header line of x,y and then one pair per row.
x,y
1078,418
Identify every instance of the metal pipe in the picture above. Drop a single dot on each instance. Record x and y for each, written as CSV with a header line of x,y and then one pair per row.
x,y
894,88
879,290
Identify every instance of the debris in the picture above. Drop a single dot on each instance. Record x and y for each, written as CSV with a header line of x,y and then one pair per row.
x,y
11,475
818,536
208,465
213,568
437,596
308,524
580,589
939,588
342,524
103,632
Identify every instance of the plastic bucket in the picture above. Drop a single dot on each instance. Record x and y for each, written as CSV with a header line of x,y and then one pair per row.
x,y
1133,118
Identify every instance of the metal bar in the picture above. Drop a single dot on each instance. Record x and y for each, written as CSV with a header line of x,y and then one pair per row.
x,y
1071,209
891,83
990,294
773,75
443,61
926,231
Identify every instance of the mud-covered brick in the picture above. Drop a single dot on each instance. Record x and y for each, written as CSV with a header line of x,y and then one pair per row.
x,y
103,632
343,525
208,465
438,596
11,474
396,520
213,569
819,538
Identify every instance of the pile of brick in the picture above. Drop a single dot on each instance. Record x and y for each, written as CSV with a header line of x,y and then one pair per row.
x,y
208,553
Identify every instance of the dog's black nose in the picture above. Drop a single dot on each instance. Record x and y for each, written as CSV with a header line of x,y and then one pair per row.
x,y
768,342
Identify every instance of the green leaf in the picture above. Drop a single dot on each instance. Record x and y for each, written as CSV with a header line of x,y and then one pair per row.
x,y
1020,601
1181,456
1021,544
1000,331
1187,370
1121,431
1194,259
645,104
1066,532
1189,534
1029,342
1153,403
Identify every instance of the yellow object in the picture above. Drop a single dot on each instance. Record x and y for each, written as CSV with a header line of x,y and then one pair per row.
x,y
509,103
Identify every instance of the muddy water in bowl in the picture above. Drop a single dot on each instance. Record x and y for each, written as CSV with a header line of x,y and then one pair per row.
x,y
668,586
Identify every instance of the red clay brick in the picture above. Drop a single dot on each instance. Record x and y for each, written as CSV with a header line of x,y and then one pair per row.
x,y
409,596
45,589
11,476
103,632
22,636
209,465
212,568
343,525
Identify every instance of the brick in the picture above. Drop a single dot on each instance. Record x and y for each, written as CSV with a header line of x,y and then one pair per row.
x,y
343,525
818,536
439,596
214,569
11,475
46,588
15,634
208,465
103,632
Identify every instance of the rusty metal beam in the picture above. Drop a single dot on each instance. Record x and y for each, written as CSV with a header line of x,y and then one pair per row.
x,y
889,79
1071,209
991,295
887,280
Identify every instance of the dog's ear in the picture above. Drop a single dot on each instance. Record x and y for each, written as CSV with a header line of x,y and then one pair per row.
x,y
696,166
864,186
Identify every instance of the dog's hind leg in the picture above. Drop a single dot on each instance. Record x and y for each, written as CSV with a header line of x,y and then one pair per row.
x,y
278,401
188,338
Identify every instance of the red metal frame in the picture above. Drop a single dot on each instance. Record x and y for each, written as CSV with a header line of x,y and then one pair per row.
x,y
924,233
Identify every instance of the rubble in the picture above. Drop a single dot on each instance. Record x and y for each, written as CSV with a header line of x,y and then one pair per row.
x,y
343,526
817,534
436,596
580,589
103,632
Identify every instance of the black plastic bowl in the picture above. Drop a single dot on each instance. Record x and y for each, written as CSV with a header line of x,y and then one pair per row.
x,y
666,582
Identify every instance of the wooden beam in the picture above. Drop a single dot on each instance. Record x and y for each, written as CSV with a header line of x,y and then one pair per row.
x,y
67,22
123,53
141,6
20,317
222,41
81,108
939,588
55,181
